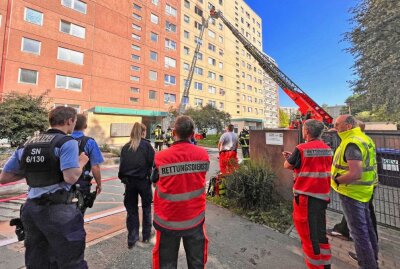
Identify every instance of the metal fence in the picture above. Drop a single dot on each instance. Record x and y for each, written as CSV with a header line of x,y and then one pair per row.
x,y
387,194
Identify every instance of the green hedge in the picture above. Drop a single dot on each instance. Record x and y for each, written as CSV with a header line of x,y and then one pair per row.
x,y
209,141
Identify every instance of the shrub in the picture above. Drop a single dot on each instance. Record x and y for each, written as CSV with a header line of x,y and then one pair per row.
x,y
105,148
252,187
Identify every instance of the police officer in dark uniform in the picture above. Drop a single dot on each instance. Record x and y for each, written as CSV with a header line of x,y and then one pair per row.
x,y
244,139
89,146
54,232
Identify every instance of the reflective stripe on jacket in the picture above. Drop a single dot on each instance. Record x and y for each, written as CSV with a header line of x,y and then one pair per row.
x,y
179,199
313,177
362,188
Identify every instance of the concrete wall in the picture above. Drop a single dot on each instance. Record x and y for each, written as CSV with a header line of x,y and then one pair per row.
x,y
271,155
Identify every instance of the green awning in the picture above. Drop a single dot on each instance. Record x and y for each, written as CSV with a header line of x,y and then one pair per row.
x,y
128,111
247,119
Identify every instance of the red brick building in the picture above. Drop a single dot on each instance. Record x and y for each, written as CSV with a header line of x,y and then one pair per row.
x,y
93,55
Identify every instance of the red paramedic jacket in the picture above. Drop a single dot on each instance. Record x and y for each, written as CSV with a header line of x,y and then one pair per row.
x,y
313,176
179,198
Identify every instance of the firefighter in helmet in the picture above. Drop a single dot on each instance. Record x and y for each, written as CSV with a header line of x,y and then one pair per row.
x,y
244,139
158,137
169,137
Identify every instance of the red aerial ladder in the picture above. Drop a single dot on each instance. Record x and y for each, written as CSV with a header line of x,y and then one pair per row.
x,y
308,108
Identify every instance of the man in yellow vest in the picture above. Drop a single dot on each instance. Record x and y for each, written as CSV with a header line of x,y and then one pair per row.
x,y
354,174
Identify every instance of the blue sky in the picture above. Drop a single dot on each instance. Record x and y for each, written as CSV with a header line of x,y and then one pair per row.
x,y
305,38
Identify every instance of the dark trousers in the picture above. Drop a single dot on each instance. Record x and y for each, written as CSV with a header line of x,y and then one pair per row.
x,y
54,236
362,231
165,252
84,188
343,228
158,145
309,217
246,152
134,188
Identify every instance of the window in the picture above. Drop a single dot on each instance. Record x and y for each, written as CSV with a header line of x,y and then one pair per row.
x,y
221,105
69,83
186,34
198,25
211,47
198,11
197,40
135,68
220,2
135,90
211,75
220,26
153,37
198,86
153,55
200,56
134,78
135,47
76,107
155,2
135,57
169,80
68,55
169,98
75,5
170,62
169,10
221,65
249,99
212,89
134,100
136,16
30,45
137,7
211,103
153,75
186,66
186,3
186,50
186,19
211,33
211,61
154,18
136,27
136,37
210,6
152,95
222,92
170,44
170,27
249,109
220,39
33,16
198,70
28,76
198,102
221,52
72,29
221,78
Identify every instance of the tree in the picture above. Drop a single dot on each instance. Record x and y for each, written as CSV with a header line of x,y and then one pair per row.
x,y
283,119
209,117
22,115
375,45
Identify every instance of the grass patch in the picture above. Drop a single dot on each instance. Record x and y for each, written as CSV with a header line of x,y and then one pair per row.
x,y
210,141
278,217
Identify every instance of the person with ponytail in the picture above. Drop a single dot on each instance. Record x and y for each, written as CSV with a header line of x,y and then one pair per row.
x,y
136,162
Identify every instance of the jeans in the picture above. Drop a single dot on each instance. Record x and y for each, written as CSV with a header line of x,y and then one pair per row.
x,y
362,231
134,188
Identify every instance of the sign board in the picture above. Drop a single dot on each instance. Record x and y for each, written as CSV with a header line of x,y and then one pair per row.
x,y
390,165
274,138
121,129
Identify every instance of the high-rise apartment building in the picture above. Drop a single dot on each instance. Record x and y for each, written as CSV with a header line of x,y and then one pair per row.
x,y
117,59
126,61
226,75
271,100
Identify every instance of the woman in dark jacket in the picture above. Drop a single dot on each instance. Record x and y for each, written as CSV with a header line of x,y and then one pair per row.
x,y
136,162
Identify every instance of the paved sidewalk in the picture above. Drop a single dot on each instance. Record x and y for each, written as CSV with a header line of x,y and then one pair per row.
x,y
235,243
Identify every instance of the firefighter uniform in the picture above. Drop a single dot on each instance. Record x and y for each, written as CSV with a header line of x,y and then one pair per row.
x,y
169,137
312,161
54,232
244,139
179,205
158,138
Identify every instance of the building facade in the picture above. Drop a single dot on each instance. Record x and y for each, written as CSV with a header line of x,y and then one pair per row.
x,y
126,61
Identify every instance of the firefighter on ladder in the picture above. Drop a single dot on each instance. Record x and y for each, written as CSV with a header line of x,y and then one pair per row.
x,y
311,162
158,137
244,139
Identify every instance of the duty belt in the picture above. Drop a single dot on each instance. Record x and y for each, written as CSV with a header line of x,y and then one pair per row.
x,y
58,197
